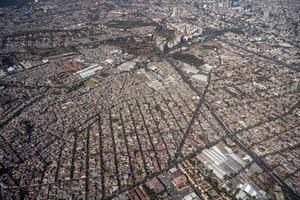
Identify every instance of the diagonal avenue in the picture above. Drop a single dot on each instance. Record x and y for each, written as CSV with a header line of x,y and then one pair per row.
x,y
258,160
196,112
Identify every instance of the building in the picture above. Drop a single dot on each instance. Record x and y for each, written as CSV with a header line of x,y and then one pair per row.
x,y
247,190
180,182
176,14
84,73
155,185
138,193
191,196
234,3
221,160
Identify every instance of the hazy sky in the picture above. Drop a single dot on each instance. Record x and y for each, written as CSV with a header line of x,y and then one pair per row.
x,y
4,3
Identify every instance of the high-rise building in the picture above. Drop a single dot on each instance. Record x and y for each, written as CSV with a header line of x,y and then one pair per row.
x,y
266,15
176,14
234,3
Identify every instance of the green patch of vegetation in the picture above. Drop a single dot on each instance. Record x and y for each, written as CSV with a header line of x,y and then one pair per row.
x,y
57,92
188,58
236,31
75,87
168,34
10,83
90,83
114,120
100,33
129,24
123,42
208,46
74,130
152,194
4,99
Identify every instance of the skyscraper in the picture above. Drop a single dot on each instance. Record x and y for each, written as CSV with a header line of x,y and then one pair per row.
x,y
176,14
234,3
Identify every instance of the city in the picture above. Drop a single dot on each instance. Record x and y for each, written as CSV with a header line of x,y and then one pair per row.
x,y
146,100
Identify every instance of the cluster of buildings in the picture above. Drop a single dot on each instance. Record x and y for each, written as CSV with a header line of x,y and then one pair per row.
x,y
92,139
149,100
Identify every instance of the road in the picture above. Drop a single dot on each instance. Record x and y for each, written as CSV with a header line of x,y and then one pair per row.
x,y
236,140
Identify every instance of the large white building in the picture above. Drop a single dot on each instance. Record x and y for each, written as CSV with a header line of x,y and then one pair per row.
x,y
221,160
89,71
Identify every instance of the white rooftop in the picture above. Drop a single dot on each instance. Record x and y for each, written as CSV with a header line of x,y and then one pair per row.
x,y
127,66
200,77
89,71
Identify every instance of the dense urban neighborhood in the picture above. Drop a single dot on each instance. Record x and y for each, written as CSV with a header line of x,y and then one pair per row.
x,y
150,99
